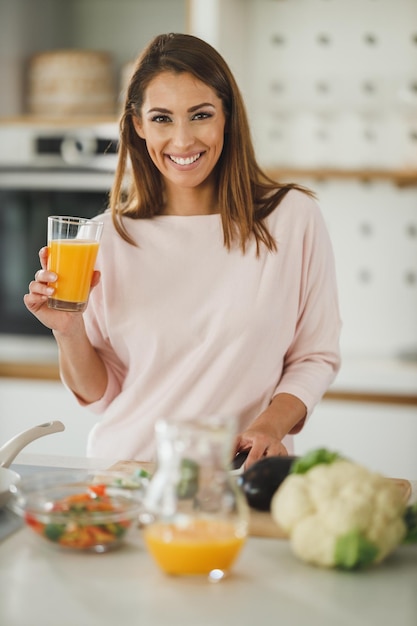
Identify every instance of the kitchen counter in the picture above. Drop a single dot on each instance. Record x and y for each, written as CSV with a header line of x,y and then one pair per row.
x,y
385,377
42,585
28,357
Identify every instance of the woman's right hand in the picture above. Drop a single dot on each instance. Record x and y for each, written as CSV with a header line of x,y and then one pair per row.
x,y
36,301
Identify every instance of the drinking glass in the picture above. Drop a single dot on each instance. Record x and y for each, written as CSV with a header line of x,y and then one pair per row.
x,y
73,244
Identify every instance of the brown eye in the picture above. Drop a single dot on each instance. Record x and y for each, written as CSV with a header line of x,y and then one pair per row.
x,y
160,119
202,115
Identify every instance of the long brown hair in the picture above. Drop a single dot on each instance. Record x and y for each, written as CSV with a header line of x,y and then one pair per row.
x,y
246,195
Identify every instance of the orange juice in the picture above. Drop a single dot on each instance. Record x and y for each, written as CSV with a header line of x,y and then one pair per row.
x,y
197,547
73,261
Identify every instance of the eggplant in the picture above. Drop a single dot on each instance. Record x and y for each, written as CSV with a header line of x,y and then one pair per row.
x,y
260,481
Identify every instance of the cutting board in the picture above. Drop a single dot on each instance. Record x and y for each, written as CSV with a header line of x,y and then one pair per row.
x,y
261,523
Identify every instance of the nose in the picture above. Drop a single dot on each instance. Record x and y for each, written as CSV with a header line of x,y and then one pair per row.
x,y
183,136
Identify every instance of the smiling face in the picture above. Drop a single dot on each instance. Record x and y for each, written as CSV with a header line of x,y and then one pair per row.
x,y
182,122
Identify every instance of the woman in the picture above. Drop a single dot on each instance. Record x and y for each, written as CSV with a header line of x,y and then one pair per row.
x,y
215,286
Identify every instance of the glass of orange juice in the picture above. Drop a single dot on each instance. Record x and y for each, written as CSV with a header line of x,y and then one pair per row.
x,y
73,244
196,519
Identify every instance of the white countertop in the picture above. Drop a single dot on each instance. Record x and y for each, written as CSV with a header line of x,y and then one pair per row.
x,y
371,374
31,349
42,585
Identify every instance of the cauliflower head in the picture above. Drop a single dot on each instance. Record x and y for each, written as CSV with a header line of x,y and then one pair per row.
x,y
340,514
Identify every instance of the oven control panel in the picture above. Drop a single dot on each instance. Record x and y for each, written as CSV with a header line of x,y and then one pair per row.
x,y
26,146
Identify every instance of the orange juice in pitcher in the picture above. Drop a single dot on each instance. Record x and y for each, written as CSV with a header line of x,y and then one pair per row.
x,y
198,547
196,519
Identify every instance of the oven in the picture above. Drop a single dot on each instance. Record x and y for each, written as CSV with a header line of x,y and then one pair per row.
x,y
45,170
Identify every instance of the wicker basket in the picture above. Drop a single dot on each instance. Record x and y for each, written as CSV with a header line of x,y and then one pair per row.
x,y
71,82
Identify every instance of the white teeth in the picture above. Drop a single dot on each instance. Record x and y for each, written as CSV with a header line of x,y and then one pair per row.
x,y
187,161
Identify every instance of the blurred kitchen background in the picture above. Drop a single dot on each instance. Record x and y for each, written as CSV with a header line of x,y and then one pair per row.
x,y
331,91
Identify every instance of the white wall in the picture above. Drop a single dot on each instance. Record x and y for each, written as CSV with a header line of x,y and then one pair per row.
x,y
332,84
124,26
373,227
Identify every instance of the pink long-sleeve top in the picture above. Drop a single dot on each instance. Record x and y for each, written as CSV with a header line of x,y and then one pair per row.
x,y
186,327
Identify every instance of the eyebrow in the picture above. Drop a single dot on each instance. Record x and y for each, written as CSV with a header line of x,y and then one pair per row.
x,y
190,110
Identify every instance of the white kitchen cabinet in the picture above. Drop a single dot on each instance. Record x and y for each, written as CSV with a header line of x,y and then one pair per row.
x,y
26,403
381,436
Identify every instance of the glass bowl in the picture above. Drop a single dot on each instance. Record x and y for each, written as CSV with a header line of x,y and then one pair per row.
x,y
80,510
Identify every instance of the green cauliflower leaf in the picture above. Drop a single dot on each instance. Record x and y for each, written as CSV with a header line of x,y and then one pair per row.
x,y
410,518
315,457
353,551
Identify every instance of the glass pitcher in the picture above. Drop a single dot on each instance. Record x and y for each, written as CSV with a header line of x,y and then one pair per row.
x,y
197,517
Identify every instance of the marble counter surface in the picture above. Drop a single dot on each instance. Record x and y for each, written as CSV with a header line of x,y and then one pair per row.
x,y
43,585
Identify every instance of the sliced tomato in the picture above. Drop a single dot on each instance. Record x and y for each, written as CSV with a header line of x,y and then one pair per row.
x,y
98,490
33,523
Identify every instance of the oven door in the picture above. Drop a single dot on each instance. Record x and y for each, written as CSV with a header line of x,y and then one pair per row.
x,y
26,200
